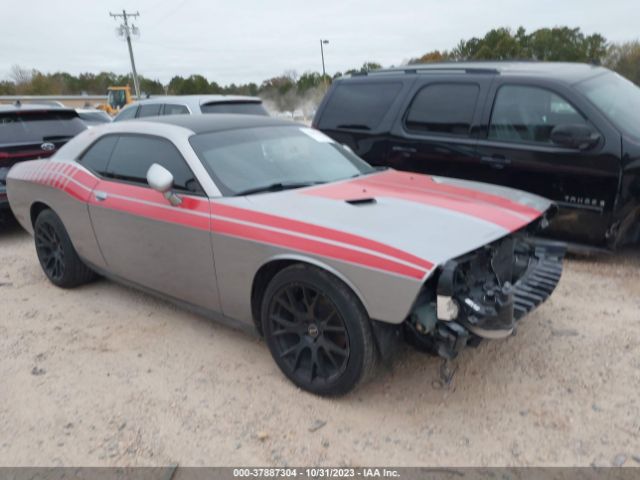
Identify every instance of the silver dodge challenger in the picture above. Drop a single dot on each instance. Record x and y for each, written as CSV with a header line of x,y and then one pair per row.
x,y
270,225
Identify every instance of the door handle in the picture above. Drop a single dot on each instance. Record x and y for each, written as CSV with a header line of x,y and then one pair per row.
x,y
101,196
496,161
400,149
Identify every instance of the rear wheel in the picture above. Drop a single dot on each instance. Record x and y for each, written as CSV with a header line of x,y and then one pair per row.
x,y
317,330
56,254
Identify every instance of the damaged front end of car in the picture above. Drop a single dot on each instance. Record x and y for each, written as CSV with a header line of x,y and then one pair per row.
x,y
484,293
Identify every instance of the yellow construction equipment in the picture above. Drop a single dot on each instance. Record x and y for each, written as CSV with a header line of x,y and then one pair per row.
x,y
117,97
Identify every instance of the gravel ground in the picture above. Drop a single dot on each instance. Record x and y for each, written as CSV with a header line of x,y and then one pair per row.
x,y
104,375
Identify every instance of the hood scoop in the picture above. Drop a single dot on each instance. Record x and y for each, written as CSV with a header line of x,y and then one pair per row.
x,y
361,201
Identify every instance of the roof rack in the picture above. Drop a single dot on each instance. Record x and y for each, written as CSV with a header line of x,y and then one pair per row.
x,y
413,69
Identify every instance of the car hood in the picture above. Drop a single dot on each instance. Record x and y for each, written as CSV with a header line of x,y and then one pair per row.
x,y
431,219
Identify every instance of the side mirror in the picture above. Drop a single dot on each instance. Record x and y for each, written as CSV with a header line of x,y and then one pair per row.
x,y
161,180
577,136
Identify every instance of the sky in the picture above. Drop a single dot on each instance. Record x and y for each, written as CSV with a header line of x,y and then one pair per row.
x,y
240,41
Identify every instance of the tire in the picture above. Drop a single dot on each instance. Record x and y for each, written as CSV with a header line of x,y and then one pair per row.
x,y
56,254
317,330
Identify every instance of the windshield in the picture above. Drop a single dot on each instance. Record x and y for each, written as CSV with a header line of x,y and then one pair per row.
x,y
117,98
254,159
617,98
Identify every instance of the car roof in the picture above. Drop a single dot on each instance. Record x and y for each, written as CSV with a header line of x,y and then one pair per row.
x,y
90,110
564,71
199,99
10,108
218,122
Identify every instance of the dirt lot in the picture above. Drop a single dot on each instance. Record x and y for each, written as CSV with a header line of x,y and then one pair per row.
x,y
104,375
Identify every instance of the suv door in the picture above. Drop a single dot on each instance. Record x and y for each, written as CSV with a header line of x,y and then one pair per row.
x,y
518,147
436,132
143,238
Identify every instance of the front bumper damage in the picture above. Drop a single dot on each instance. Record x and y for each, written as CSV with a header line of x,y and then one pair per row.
x,y
484,294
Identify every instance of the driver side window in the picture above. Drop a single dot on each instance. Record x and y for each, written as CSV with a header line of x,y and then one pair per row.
x,y
134,154
529,114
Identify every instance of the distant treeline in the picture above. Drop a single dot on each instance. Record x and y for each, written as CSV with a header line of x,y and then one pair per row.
x,y
560,44
291,91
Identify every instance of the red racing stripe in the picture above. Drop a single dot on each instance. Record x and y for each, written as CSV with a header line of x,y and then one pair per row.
x,y
315,247
361,188
148,195
147,203
426,182
154,212
316,231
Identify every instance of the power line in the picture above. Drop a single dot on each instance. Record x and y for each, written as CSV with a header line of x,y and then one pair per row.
x,y
126,30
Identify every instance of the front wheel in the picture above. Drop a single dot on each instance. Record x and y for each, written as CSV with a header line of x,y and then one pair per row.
x,y
317,331
56,254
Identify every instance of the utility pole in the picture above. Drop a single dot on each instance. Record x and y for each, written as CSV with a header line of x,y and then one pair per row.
x,y
323,42
125,30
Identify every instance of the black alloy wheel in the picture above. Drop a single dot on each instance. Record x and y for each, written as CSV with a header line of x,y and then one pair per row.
x,y
50,251
58,258
317,330
310,335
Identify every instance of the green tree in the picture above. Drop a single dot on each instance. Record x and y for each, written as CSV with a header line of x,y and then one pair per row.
x,y
150,87
430,57
370,66
7,88
308,81
624,58
548,44
175,85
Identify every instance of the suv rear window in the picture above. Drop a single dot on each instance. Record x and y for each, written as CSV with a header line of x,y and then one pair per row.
x,y
359,106
246,108
443,108
37,126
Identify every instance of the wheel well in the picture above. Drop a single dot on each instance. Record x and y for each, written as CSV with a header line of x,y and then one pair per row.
x,y
36,209
260,282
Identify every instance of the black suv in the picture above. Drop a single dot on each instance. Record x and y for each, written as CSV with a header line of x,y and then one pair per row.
x,y
32,131
569,132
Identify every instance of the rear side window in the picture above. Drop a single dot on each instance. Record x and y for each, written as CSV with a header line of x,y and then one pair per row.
x,y
38,126
443,108
360,106
175,109
97,157
152,110
126,114
528,114
246,108
134,154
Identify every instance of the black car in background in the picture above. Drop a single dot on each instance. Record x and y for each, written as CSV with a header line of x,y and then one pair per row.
x,y
569,132
32,131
